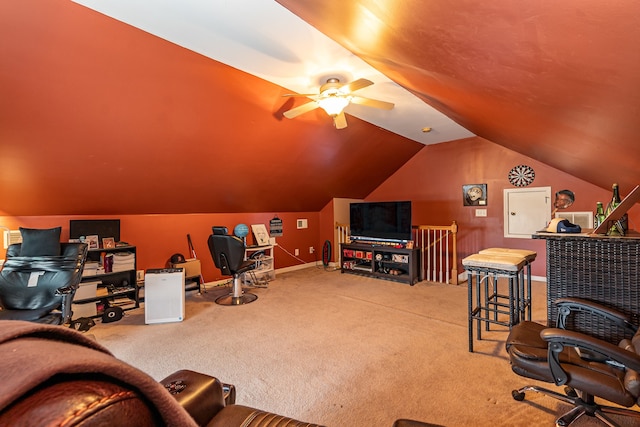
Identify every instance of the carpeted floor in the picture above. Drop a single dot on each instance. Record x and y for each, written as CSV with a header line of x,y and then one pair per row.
x,y
343,350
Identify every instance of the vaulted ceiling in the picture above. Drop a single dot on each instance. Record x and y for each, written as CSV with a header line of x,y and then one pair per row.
x,y
558,81
100,117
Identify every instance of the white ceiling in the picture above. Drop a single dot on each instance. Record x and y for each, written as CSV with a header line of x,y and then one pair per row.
x,y
264,39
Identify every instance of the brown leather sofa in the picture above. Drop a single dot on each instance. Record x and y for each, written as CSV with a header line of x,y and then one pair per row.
x,y
56,376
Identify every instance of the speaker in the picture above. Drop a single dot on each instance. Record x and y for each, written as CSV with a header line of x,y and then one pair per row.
x,y
164,295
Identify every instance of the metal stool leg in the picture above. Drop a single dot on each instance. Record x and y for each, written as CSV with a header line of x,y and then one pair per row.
x,y
471,309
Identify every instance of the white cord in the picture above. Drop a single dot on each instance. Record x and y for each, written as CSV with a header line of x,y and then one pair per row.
x,y
292,255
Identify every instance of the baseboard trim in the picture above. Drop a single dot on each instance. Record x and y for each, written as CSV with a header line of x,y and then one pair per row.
x,y
462,277
278,270
295,267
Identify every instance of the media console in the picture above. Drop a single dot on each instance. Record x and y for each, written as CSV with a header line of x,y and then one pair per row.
x,y
381,262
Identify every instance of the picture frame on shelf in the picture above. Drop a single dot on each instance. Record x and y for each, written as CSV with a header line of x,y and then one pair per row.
x,y
93,241
260,233
108,243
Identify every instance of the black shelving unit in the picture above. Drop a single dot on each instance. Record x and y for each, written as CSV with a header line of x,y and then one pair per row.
x,y
381,261
115,288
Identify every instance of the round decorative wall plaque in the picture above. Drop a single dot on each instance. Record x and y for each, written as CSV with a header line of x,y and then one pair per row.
x,y
521,175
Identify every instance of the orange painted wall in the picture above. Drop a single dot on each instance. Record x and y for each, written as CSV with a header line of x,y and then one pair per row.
x,y
326,232
100,118
157,237
433,180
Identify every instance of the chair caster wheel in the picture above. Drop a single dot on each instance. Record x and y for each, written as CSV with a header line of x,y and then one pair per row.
x,y
570,391
517,395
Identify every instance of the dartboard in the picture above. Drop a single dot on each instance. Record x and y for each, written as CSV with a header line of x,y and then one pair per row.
x,y
521,175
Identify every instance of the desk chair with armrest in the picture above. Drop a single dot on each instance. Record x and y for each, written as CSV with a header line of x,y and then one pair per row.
x,y
38,280
228,254
590,369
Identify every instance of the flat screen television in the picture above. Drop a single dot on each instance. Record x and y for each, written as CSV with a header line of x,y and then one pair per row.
x,y
100,227
383,221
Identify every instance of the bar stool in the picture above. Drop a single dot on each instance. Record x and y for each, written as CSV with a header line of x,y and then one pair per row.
x,y
485,268
525,283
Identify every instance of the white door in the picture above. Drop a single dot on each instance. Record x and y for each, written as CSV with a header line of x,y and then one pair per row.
x,y
526,211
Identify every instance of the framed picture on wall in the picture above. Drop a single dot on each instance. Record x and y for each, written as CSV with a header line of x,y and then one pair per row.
x,y
474,194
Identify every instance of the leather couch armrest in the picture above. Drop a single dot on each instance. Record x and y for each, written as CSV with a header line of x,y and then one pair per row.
x,y
202,396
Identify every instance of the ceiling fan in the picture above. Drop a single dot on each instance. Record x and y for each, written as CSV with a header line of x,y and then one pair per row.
x,y
334,97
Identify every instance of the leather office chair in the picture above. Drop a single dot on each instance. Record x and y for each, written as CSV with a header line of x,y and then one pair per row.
x,y
40,288
588,367
89,387
228,254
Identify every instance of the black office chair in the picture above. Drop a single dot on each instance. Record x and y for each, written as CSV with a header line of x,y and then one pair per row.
x,y
588,367
41,288
228,253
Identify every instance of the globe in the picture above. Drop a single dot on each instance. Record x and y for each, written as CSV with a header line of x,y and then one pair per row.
x,y
241,230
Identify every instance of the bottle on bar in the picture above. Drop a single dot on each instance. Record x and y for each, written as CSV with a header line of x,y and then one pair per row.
x,y
615,200
620,226
599,217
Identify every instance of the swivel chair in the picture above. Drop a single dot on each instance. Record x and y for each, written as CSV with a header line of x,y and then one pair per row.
x,y
588,367
228,254
37,287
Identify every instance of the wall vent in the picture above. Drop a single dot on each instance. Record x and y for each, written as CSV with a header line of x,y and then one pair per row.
x,y
11,237
583,219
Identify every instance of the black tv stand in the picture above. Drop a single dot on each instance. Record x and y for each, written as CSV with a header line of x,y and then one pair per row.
x,y
381,261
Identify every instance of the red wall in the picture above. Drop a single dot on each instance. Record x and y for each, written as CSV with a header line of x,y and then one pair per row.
x,y
433,180
100,118
157,237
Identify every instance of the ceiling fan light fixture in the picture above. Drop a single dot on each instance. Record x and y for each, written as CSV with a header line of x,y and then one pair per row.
x,y
333,104
333,98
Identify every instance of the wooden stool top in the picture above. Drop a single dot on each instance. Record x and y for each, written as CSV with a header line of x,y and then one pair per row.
x,y
529,255
504,262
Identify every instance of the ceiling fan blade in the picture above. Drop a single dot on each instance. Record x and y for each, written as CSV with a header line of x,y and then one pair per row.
x,y
301,109
355,85
372,103
300,94
340,121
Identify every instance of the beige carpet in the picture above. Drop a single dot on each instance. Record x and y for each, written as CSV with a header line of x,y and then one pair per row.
x,y
343,350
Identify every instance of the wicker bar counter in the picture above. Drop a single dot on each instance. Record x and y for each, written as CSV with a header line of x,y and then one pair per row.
x,y
595,267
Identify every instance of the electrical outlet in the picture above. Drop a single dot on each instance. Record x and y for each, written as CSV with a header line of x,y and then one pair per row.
x,y
311,250
296,252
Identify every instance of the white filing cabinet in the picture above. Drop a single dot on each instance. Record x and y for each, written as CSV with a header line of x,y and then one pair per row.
x,y
164,295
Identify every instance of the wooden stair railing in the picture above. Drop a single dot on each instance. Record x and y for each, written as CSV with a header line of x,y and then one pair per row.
x,y
438,252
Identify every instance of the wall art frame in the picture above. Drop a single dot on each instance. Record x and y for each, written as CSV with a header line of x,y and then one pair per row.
x,y
474,195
